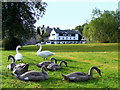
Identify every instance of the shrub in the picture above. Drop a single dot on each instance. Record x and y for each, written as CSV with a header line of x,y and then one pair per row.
x,y
11,43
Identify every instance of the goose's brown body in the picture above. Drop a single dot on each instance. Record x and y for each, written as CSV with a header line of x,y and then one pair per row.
x,y
33,75
81,76
53,66
46,63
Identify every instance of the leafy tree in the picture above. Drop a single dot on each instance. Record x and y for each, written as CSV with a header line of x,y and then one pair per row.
x,y
103,28
96,13
18,19
41,32
80,27
46,34
86,33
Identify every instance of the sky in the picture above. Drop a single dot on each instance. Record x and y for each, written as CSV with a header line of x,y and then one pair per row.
x,y
67,14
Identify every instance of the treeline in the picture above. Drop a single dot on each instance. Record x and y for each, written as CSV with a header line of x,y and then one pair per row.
x,y
104,27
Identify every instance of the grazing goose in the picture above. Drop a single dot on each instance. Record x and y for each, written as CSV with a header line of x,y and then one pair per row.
x,y
44,54
33,75
81,76
20,68
46,63
12,64
18,56
53,66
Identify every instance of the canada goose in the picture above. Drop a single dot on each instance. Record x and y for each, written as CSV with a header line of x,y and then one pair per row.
x,y
12,64
44,54
33,75
18,56
20,68
81,76
46,63
53,66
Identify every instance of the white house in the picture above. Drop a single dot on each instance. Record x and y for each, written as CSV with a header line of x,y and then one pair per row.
x,y
58,36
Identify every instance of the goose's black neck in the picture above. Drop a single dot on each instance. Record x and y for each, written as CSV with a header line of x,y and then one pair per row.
x,y
13,59
63,62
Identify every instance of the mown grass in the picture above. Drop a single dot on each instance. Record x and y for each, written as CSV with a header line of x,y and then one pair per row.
x,y
80,57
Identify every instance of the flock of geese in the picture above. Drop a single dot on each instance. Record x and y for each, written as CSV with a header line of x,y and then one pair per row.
x,y
21,70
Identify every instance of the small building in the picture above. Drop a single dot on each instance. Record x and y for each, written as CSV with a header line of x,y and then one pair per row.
x,y
58,36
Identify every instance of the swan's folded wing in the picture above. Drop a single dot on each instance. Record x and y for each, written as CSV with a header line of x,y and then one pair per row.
x,y
18,56
41,54
48,53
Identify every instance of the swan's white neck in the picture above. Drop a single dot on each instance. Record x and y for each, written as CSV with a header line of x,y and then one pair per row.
x,y
17,50
40,48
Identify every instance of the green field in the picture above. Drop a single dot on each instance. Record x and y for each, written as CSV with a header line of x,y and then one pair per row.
x,y
80,57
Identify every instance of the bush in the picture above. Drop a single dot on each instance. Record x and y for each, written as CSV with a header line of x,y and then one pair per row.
x,y
11,43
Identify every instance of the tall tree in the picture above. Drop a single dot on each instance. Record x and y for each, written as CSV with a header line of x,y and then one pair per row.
x,y
18,19
80,27
40,31
103,28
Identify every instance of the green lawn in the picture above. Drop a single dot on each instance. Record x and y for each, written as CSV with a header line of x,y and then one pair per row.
x,y
80,57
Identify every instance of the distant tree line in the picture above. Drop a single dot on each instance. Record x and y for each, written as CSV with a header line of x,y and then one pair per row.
x,y
104,27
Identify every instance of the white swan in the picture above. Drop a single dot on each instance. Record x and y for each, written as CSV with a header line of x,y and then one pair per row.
x,y
44,54
18,56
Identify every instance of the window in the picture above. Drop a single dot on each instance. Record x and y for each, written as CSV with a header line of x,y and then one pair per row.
x,y
64,34
72,34
53,34
60,34
69,34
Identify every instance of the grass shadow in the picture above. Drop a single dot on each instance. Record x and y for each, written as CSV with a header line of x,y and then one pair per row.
x,y
7,74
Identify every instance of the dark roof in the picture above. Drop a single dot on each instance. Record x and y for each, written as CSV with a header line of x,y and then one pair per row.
x,y
48,30
66,31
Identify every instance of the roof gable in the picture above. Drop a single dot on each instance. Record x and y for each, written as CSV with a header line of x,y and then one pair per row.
x,y
66,31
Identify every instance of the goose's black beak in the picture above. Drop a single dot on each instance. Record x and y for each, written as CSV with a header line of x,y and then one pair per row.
x,y
100,73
